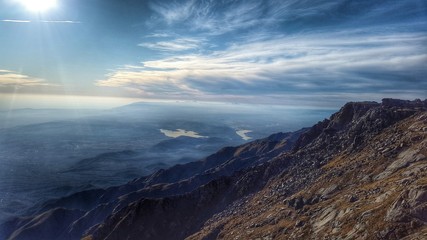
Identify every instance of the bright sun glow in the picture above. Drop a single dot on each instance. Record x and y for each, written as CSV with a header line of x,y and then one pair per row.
x,y
38,5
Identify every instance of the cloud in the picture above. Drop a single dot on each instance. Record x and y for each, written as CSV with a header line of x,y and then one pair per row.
x,y
158,35
61,21
40,21
221,17
178,44
15,21
173,11
277,51
335,62
216,17
17,80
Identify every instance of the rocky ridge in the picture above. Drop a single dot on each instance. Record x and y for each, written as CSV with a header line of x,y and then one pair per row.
x,y
375,192
94,206
359,175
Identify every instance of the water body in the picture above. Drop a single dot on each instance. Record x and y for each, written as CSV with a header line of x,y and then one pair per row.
x,y
242,133
181,133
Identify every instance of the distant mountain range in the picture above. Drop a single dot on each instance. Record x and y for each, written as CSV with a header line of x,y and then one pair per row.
x,y
361,174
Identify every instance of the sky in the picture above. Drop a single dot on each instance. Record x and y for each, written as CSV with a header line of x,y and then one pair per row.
x,y
317,53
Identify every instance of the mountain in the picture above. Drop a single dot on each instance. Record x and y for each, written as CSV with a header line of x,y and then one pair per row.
x,y
361,174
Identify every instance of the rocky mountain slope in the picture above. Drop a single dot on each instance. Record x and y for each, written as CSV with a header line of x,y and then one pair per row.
x,y
73,215
359,175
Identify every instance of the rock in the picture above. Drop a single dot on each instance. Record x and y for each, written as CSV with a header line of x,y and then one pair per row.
x,y
353,198
326,216
326,192
299,224
403,160
418,202
315,200
299,203
291,202
390,102
409,205
384,196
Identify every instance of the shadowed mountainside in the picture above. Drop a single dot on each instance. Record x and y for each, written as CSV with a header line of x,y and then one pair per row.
x,y
96,205
361,173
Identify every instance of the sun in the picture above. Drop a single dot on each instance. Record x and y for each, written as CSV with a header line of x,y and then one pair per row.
x,y
38,5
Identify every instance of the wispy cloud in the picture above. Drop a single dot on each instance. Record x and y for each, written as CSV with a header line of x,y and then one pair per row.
x,y
14,79
15,21
39,21
158,35
280,51
61,21
305,64
221,17
178,44
215,17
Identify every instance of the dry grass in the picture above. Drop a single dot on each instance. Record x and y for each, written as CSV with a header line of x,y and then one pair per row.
x,y
354,167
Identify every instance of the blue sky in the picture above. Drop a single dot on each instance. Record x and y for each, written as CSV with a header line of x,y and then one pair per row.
x,y
290,52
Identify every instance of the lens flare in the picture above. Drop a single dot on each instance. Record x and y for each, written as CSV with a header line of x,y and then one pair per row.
x,y
38,5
